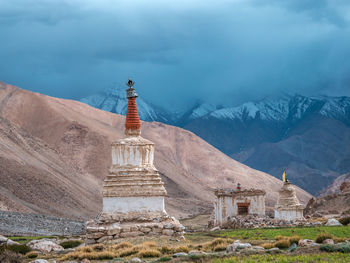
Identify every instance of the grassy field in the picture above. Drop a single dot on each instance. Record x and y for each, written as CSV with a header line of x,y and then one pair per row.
x,y
314,258
270,233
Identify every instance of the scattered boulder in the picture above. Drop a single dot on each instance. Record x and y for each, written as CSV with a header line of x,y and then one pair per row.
x,y
40,261
180,254
215,228
237,245
6,241
45,245
292,247
305,242
3,239
328,241
135,260
333,222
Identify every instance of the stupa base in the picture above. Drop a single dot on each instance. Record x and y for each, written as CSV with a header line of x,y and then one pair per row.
x,y
112,226
289,214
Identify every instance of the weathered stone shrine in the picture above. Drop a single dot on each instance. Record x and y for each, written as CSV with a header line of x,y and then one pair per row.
x,y
288,206
133,192
238,202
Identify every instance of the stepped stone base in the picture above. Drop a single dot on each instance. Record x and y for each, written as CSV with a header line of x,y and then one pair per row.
x,y
111,226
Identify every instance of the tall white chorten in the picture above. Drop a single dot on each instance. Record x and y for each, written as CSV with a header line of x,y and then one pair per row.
x,y
133,192
288,206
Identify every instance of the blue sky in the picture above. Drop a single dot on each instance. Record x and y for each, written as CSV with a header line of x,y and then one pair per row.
x,y
176,51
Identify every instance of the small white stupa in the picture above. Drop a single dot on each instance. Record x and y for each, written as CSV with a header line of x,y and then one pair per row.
x,y
133,192
288,206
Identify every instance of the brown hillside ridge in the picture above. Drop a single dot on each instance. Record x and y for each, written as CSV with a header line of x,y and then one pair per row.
x,y
56,152
337,202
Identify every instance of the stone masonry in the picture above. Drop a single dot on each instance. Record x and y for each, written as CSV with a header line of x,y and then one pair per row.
x,y
133,192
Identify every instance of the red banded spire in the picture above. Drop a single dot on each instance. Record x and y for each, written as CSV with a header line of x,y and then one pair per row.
x,y
132,122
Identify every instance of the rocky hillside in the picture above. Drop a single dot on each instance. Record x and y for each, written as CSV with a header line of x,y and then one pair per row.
x,y
337,202
307,135
55,154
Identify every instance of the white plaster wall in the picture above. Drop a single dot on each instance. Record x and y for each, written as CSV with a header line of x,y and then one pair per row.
x,y
226,206
135,155
289,215
133,204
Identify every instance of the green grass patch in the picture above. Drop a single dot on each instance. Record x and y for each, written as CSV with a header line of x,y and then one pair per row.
x,y
26,239
70,243
271,233
343,248
281,258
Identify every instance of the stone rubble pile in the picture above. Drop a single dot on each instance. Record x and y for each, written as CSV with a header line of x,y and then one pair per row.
x,y
251,221
106,228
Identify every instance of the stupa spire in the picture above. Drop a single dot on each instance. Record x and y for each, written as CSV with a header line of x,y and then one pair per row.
x,y
132,122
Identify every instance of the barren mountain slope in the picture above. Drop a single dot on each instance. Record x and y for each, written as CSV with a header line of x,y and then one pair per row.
x,y
81,135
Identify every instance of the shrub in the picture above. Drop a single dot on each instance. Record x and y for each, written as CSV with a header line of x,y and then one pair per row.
x,y
98,247
127,252
345,220
343,248
91,256
217,241
32,254
70,243
220,247
21,249
280,237
122,245
294,239
8,256
166,250
86,249
149,253
182,249
149,244
322,237
283,243
339,239
163,259
268,245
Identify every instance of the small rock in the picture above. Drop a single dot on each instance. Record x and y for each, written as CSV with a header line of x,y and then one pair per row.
x,y
258,248
40,261
305,242
333,222
44,245
215,228
85,260
237,246
11,242
180,254
328,241
3,239
317,223
292,247
135,260
168,232
197,252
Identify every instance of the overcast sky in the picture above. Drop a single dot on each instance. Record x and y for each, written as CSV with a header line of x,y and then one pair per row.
x,y
222,51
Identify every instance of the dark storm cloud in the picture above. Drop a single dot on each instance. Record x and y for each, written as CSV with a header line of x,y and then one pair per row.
x,y
179,50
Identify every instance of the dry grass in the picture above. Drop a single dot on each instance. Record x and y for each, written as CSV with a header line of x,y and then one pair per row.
x,y
98,247
282,243
182,249
268,245
210,246
101,255
220,247
166,250
86,249
32,254
121,245
279,237
322,237
150,244
294,239
127,252
149,253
